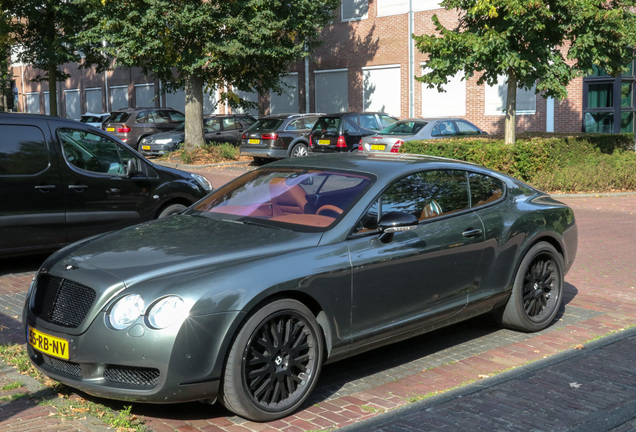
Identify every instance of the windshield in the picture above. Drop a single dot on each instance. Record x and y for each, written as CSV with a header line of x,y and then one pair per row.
x,y
302,200
404,128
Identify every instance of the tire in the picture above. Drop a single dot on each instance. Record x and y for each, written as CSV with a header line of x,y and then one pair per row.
x,y
299,150
537,291
258,161
274,362
170,210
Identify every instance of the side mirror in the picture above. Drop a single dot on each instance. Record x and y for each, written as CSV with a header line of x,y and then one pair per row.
x,y
132,167
393,222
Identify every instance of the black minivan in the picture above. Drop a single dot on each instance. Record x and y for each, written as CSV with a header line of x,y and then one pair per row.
x,y
62,180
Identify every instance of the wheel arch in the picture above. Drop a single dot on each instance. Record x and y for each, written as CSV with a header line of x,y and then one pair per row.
x,y
175,200
301,140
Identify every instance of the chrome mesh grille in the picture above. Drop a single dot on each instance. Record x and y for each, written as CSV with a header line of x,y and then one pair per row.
x,y
62,302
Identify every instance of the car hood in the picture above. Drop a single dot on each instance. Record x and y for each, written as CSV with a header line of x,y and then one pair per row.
x,y
170,245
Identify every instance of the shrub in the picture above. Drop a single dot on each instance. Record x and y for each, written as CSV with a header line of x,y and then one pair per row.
x,y
554,162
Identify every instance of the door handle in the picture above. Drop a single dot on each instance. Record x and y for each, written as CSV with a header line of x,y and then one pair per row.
x,y
45,188
78,188
113,191
472,233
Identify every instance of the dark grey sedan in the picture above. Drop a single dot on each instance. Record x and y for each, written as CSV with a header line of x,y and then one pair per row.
x,y
391,138
243,297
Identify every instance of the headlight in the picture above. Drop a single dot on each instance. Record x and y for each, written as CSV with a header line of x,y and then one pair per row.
x,y
126,311
205,184
163,141
167,311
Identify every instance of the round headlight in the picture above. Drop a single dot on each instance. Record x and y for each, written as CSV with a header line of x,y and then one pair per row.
x,y
166,312
126,311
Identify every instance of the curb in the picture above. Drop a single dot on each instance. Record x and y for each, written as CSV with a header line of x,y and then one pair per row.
x,y
192,167
470,389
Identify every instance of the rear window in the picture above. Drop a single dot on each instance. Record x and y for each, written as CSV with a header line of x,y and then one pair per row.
x,y
266,125
119,117
328,124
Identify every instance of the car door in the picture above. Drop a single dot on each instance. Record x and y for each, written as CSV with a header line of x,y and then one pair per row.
x,y
230,131
422,275
32,211
99,195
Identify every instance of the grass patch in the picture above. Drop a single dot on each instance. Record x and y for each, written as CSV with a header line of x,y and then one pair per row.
x,y
16,356
13,397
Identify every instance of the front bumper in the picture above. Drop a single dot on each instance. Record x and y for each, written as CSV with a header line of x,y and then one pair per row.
x,y
141,364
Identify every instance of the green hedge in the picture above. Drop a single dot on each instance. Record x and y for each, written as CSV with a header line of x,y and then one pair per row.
x,y
554,162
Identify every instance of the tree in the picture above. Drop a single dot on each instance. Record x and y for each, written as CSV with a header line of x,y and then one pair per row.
x,y
225,45
44,32
543,43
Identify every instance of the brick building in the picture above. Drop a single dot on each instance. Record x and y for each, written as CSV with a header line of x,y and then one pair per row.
x,y
366,63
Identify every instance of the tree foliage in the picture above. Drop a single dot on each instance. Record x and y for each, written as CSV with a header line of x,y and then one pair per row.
x,y
226,45
44,35
530,42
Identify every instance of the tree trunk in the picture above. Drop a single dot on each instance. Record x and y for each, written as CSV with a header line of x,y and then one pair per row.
x,y
52,75
194,112
511,109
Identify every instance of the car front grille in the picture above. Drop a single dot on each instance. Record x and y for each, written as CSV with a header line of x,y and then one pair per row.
x,y
62,302
132,375
66,367
127,375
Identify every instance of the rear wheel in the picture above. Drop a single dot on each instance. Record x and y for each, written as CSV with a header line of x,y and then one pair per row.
x,y
274,362
299,150
537,290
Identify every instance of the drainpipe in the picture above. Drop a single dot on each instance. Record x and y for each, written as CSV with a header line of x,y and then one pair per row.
x,y
411,62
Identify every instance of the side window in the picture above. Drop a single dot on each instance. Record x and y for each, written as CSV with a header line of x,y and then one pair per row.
x,y
158,117
91,152
230,124
24,150
368,121
213,125
175,116
142,117
425,195
465,128
484,189
443,128
349,128
386,120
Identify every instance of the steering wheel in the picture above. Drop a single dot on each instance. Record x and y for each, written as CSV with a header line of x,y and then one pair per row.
x,y
329,207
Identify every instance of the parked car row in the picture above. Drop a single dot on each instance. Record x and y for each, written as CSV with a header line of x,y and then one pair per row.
x,y
292,135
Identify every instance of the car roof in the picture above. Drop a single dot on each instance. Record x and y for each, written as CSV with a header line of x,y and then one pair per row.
x,y
35,118
289,116
342,114
382,165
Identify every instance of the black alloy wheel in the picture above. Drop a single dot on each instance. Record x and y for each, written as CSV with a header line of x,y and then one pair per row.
x,y
274,362
536,294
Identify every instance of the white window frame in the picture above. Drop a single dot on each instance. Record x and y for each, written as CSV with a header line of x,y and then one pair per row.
x,y
398,7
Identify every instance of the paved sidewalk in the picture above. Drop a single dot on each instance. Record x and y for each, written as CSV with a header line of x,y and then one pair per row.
x,y
600,300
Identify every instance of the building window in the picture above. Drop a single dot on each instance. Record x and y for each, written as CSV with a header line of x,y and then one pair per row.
x,y
118,97
287,101
94,102
47,103
497,96
608,103
381,89
332,90
450,102
33,103
145,95
72,104
354,9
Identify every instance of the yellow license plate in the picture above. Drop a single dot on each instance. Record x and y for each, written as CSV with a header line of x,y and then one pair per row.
x,y
324,142
377,147
110,129
48,344
145,147
253,141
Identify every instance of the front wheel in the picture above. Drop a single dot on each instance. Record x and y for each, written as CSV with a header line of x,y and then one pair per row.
x,y
171,209
537,290
274,362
